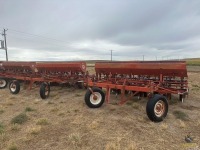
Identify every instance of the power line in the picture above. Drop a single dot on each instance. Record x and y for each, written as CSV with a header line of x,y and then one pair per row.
x,y
66,43
44,42
47,39
43,37
35,35
40,36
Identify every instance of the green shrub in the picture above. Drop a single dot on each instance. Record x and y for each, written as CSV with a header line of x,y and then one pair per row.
x,y
27,109
1,128
12,147
180,115
1,111
20,119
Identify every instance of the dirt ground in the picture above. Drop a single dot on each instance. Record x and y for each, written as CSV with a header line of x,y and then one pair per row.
x,y
64,122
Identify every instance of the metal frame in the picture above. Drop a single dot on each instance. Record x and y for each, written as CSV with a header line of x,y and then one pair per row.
x,y
59,72
164,77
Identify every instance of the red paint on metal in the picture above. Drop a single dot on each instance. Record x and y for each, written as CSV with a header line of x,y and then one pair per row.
x,y
60,72
17,65
153,68
61,66
164,77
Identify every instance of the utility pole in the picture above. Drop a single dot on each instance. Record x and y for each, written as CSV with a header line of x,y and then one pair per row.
x,y
143,57
4,34
111,54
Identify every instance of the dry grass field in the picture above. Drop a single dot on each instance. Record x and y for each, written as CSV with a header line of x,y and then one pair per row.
x,y
193,61
64,122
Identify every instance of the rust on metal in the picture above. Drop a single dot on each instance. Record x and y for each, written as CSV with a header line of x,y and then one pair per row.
x,y
60,72
61,66
17,66
164,77
153,68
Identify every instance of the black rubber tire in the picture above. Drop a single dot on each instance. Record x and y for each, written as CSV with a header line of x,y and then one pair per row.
x,y
44,90
181,97
116,91
145,94
151,105
79,85
3,83
14,87
88,95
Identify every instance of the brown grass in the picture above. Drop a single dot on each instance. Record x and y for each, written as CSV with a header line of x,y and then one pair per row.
x,y
42,121
67,123
75,139
112,146
164,126
3,137
182,124
15,127
13,146
34,130
54,110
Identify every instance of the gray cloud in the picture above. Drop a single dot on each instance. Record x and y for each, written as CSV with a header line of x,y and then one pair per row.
x,y
89,29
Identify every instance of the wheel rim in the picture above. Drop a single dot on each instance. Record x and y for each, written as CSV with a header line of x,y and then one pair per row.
x,y
95,98
159,108
2,83
47,90
13,87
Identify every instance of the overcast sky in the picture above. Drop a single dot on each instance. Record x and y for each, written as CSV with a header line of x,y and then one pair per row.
x,y
62,30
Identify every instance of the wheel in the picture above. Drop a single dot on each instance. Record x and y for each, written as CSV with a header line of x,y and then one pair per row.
x,y
14,87
181,98
79,85
3,83
44,90
115,91
157,108
145,94
139,95
94,100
